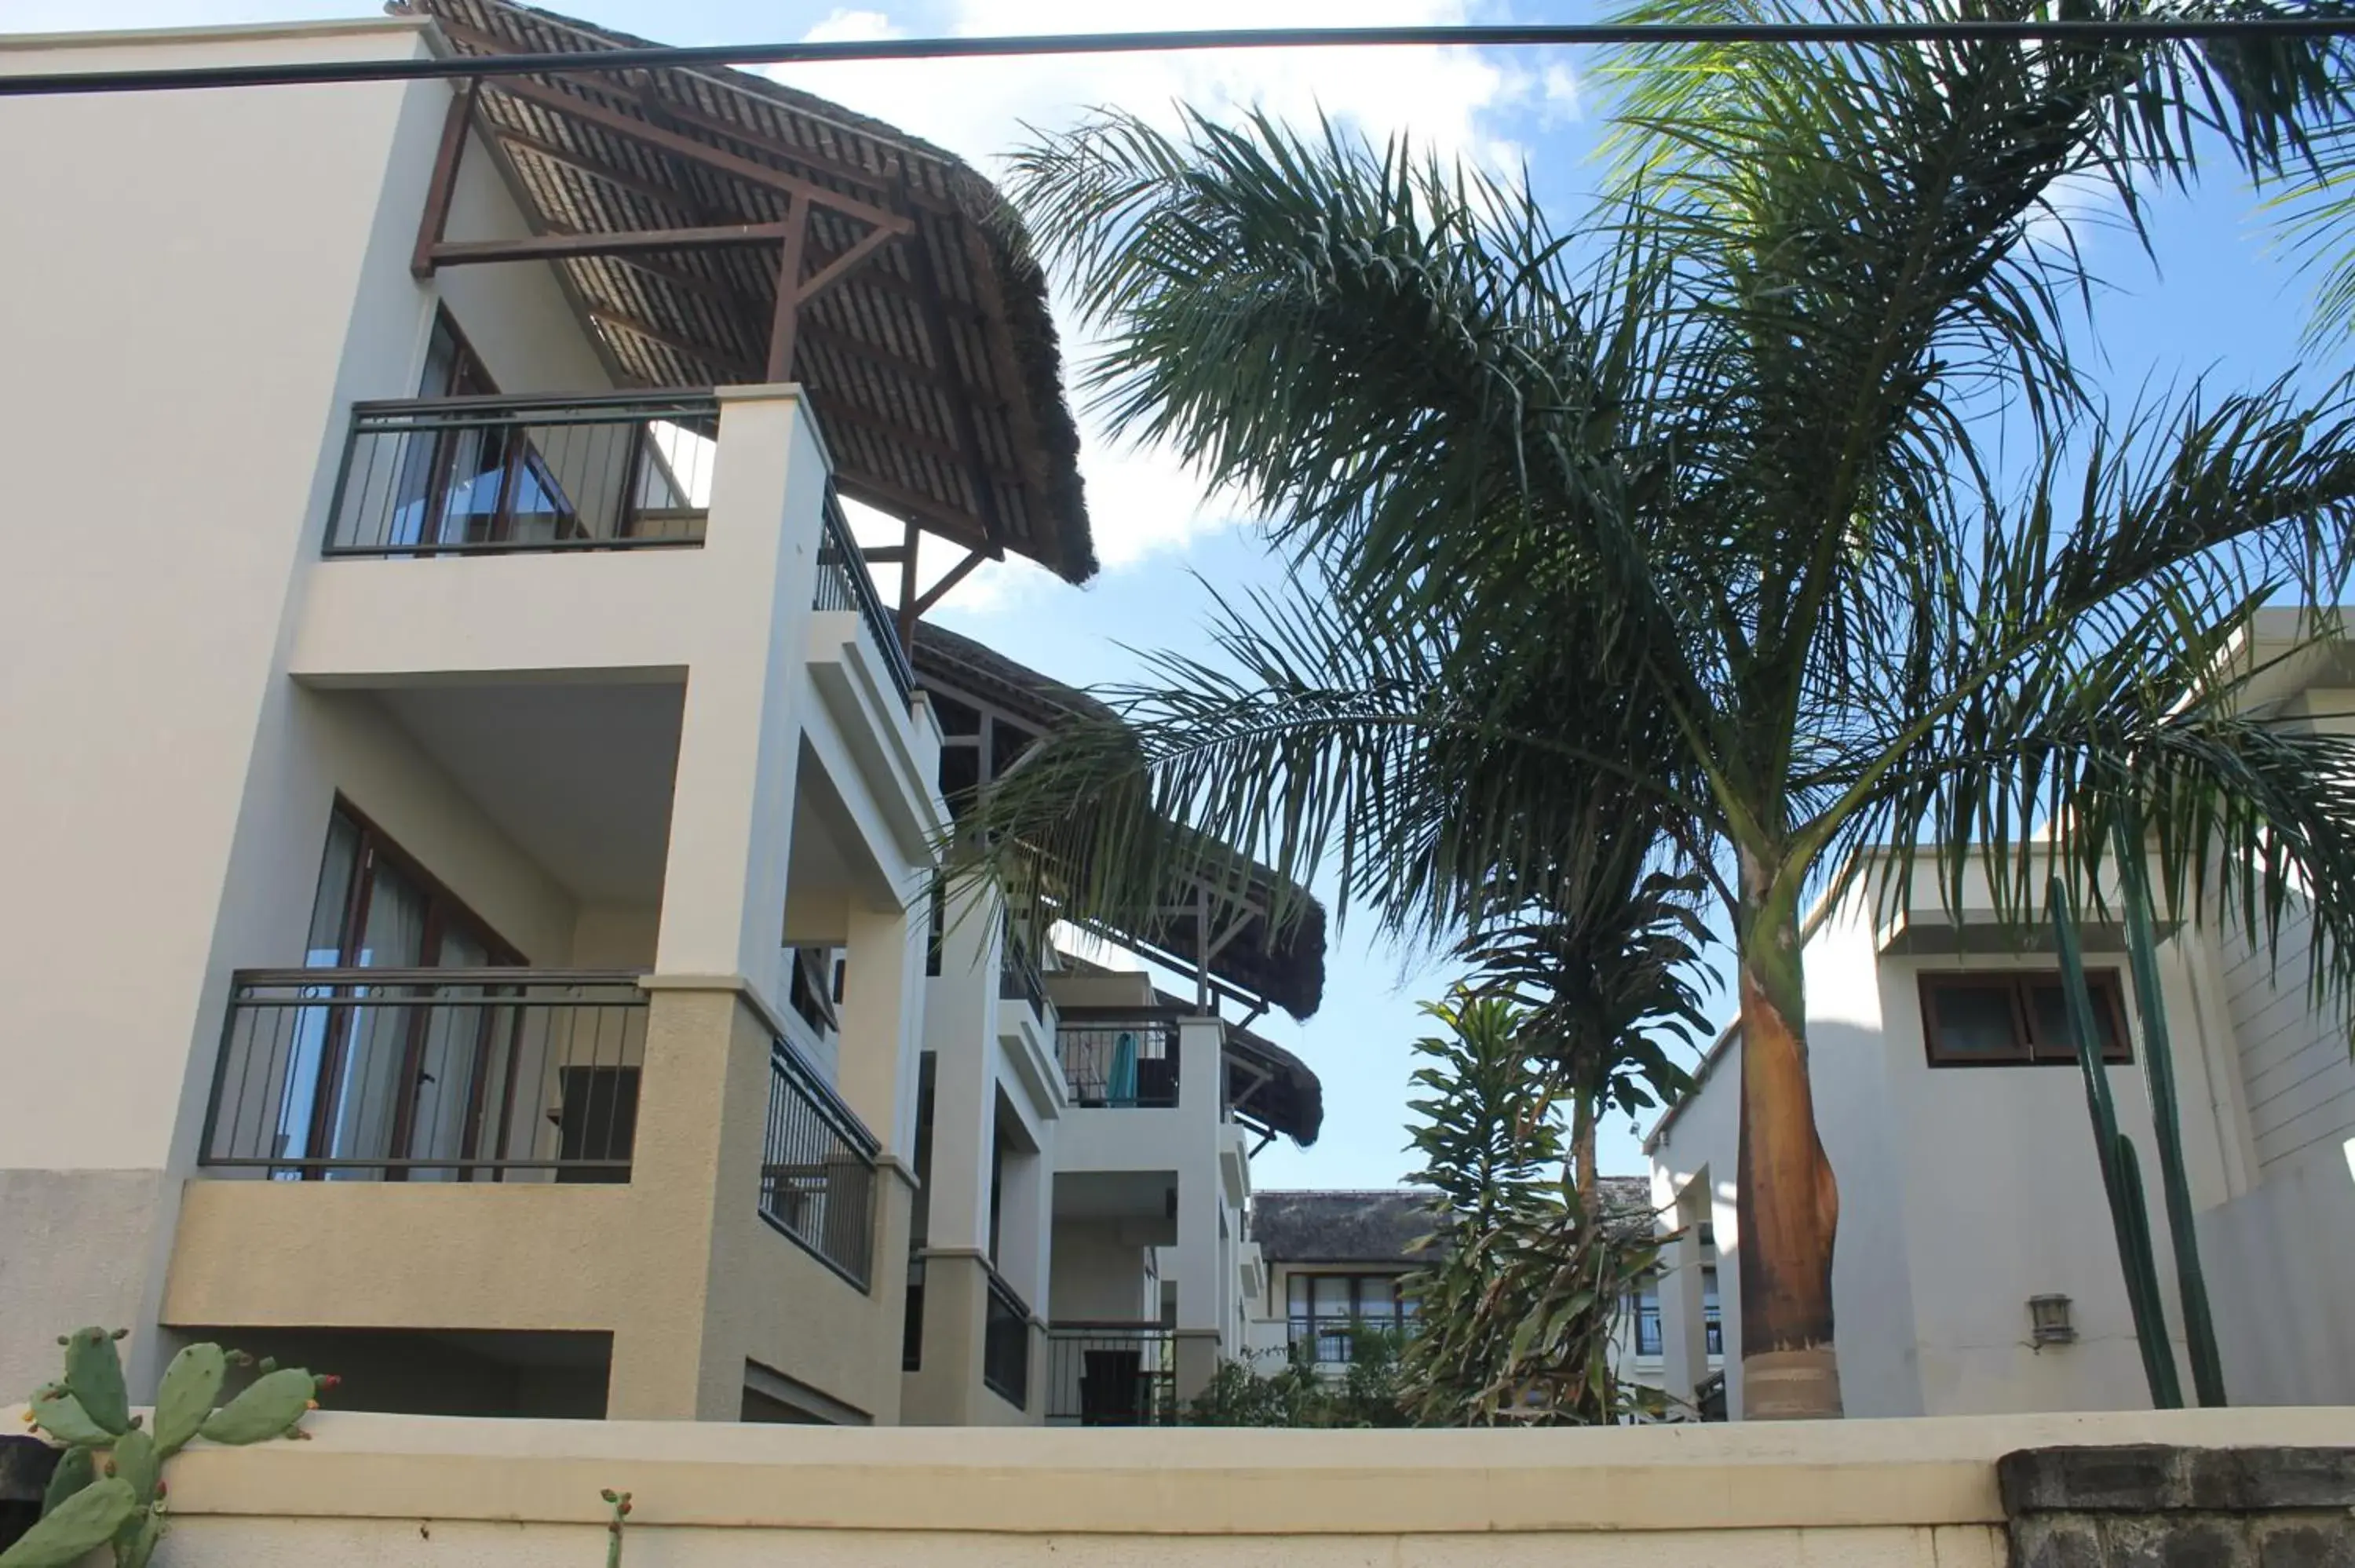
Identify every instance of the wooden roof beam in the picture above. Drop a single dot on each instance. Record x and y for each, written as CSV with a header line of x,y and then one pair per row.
x,y
744,168
582,163
714,358
561,247
943,351
881,182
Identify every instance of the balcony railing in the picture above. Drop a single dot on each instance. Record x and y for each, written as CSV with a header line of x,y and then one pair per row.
x,y
1018,974
843,585
445,476
1006,1344
1331,1338
429,1074
818,1170
1111,1374
1119,1061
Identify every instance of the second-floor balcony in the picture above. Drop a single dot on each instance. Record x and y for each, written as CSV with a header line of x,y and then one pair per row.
x,y
489,475
1120,1061
818,1170
1111,1374
494,1074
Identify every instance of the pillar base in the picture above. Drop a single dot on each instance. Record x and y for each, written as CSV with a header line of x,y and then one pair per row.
x,y
1791,1385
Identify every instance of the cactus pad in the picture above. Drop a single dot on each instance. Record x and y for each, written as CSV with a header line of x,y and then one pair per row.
x,y
62,1415
136,1462
94,1376
273,1407
190,1385
77,1468
82,1524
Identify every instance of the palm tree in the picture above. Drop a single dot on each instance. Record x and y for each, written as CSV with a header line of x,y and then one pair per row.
x,y
1605,990
1705,512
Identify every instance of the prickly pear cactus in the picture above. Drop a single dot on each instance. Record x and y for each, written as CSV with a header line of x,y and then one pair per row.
x,y
620,1503
109,1484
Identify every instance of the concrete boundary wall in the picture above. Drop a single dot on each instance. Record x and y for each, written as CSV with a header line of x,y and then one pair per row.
x,y
394,1490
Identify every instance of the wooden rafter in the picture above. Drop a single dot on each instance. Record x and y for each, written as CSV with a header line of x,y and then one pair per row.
x,y
880,181
456,121
936,326
654,136
717,359
949,579
563,246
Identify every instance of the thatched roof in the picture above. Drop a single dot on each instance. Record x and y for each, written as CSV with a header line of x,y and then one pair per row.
x,y
1375,1226
933,367
1381,1226
1267,1086
1281,962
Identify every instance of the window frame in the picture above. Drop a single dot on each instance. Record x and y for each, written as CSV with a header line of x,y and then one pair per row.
x,y
1305,1322
2029,1048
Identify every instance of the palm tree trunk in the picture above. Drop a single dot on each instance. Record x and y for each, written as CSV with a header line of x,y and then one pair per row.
x,y
1581,1150
1786,1203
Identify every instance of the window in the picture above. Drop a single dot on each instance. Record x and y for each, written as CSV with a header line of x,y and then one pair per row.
x,y
1644,1306
1648,1321
385,1080
1994,1018
1327,1309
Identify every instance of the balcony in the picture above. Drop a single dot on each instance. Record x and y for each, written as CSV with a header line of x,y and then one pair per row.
x,y
491,475
1111,1374
818,1170
843,584
1119,1061
1018,980
1006,1344
492,1075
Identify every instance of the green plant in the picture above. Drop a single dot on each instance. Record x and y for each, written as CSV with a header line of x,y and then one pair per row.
x,y
1777,501
1367,1393
109,1488
1237,1396
1526,1274
2121,1171
618,1502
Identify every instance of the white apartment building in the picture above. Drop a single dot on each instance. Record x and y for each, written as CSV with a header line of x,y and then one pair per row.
x,y
1971,1202
1337,1261
471,814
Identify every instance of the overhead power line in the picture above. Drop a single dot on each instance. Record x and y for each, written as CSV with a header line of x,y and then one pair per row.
x,y
2250,29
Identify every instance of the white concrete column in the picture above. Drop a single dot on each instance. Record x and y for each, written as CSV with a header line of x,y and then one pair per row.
x,y
1684,1327
732,798
1027,1205
883,1024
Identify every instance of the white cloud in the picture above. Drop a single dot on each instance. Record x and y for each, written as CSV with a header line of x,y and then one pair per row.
x,y
1142,503
849,26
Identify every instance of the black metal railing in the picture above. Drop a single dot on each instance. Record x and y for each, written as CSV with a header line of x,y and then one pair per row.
x,y
1331,1338
1124,1061
439,476
428,1074
818,1170
843,585
1006,1344
1111,1374
1017,973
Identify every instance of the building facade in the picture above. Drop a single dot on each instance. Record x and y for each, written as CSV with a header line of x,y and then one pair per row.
x,y
473,817
1977,1269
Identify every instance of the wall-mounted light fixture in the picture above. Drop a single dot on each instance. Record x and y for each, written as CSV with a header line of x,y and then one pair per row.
x,y
2048,1319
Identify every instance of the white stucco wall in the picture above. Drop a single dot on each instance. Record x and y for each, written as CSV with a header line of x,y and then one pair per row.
x,y
401,1491
1099,1271
222,275
1965,1191
177,389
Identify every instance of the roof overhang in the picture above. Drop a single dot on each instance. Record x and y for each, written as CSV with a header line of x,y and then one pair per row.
x,y
677,204
1261,937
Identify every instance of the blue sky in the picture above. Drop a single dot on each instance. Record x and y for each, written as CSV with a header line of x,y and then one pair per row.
x,y
2222,303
